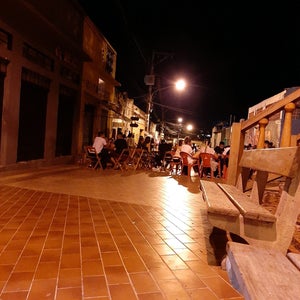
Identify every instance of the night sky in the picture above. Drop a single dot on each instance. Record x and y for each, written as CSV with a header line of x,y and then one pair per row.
x,y
233,55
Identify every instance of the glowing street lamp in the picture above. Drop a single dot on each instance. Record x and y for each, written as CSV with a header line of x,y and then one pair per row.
x,y
179,86
189,127
179,120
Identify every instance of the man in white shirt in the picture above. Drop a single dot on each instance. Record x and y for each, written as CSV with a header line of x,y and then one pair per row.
x,y
99,142
100,146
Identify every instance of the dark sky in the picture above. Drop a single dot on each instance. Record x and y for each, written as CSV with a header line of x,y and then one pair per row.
x,y
233,55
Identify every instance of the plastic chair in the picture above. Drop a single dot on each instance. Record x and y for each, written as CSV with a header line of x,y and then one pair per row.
x,y
205,163
186,164
176,165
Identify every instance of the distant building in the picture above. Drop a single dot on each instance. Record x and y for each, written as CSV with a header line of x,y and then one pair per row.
x,y
222,131
274,127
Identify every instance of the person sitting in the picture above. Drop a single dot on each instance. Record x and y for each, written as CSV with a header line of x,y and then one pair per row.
x,y
186,147
163,147
177,148
213,162
176,161
146,144
225,154
120,144
140,142
117,147
130,140
100,145
219,157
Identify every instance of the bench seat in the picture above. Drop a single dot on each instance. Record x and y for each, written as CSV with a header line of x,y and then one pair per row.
x,y
221,212
261,273
248,208
231,210
219,202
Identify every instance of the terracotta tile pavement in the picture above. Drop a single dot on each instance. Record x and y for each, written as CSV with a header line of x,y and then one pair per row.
x,y
67,232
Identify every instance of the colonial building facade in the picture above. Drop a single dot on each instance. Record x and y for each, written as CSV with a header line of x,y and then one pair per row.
x,y
57,84
41,44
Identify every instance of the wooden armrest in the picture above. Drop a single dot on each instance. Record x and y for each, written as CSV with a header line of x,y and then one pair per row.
x,y
248,209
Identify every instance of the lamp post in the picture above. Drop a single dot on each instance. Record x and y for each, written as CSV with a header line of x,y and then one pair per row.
x,y
179,86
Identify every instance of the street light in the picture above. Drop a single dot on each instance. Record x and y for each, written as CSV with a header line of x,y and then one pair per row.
x,y
179,86
179,120
189,127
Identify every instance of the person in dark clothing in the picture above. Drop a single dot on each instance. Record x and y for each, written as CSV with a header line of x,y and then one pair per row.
x,y
219,156
163,147
140,142
146,145
120,143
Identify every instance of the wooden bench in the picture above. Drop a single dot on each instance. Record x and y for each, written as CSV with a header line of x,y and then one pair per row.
x,y
230,209
233,209
260,268
260,273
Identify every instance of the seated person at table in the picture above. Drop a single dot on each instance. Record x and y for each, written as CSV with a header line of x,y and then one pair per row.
x,y
187,147
146,144
208,149
219,157
140,142
177,148
119,144
130,140
100,145
163,147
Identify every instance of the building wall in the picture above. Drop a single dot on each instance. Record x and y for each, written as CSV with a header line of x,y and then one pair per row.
x,y
45,61
59,83
274,127
98,85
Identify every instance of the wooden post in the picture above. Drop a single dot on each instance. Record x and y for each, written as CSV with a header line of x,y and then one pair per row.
x,y
262,129
287,125
236,150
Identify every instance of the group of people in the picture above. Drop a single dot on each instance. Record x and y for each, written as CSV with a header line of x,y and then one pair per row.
x,y
109,150
220,155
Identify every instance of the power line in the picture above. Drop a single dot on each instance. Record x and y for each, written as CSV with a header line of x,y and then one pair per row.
x,y
175,108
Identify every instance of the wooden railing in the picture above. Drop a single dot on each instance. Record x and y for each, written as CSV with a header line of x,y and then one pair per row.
x,y
288,104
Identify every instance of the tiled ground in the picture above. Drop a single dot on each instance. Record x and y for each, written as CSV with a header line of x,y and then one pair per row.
x,y
73,233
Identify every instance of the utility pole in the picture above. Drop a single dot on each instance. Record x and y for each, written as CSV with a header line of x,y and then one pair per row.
x,y
150,81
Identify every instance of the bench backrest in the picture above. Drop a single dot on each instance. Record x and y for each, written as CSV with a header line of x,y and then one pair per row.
x,y
281,161
268,163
